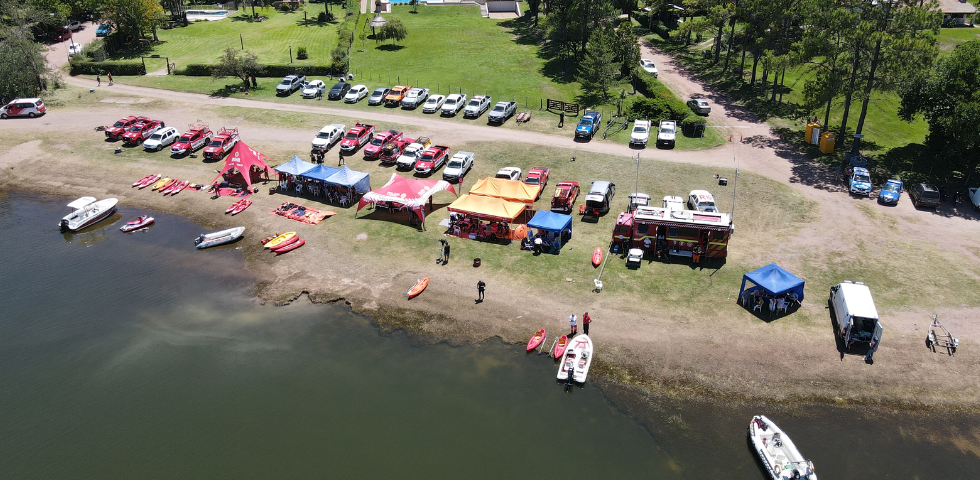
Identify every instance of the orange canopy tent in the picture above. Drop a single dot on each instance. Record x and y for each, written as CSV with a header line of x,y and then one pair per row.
x,y
246,163
510,190
488,208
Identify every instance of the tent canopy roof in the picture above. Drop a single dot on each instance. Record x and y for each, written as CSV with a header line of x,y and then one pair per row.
x,y
319,172
408,192
295,166
487,207
775,280
550,221
511,190
246,161
351,178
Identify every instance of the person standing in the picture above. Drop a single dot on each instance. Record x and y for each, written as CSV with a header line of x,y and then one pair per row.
x,y
561,119
586,320
480,287
340,160
442,250
445,252
98,80
110,78
571,322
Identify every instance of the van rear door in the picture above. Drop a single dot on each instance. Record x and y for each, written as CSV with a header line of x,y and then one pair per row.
x,y
848,330
876,337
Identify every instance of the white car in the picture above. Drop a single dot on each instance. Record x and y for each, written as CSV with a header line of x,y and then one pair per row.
x,y
411,154
650,68
415,97
161,138
328,136
433,104
509,173
74,49
356,93
673,202
454,103
702,201
313,87
641,132
667,133
458,166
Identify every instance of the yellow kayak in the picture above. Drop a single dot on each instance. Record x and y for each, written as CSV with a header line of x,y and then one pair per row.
x,y
160,183
278,240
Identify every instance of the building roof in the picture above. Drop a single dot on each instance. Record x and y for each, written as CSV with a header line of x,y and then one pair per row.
x,y
956,6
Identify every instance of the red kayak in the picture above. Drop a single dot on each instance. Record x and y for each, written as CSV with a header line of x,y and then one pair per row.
x,y
234,206
167,186
142,180
560,346
418,288
536,339
150,181
290,247
241,207
180,186
137,224
288,242
597,256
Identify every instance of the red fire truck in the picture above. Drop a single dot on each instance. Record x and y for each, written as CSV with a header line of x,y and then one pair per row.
x,y
673,232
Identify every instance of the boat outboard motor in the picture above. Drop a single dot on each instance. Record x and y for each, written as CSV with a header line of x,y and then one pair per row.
x,y
198,240
64,225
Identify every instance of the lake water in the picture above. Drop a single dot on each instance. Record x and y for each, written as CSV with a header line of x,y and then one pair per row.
x,y
137,356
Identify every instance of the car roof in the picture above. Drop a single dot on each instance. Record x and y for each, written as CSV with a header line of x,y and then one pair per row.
x,y
599,186
702,195
32,100
861,170
926,186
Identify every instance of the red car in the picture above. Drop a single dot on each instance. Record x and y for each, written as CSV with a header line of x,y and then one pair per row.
x,y
565,196
373,149
356,137
117,129
197,136
140,131
221,143
538,176
432,158
391,150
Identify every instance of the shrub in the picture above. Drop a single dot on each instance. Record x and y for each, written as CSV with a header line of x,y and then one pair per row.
x,y
118,68
301,53
693,126
194,70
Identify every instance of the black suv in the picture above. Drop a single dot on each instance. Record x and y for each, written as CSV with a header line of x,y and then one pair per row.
x,y
338,90
924,195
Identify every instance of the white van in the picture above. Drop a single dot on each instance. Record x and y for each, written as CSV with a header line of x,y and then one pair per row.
x,y
855,314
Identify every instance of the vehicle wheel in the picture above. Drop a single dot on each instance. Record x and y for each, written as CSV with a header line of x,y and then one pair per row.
x,y
3,116
32,114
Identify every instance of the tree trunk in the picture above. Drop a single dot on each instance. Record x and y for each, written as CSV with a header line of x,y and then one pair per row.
x,y
850,91
721,31
731,41
875,60
755,65
741,68
764,82
826,115
775,85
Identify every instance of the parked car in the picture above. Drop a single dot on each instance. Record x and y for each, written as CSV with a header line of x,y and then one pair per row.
x,y
74,49
74,25
453,103
702,201
637,200
338,90
860,182
433,158
699,106
667,133
197,136
538,176
313,88
588,125
358,136
378,96
477,105
290,83
161,138
509,173
392,150
599,198
641,132
415,97
140,131
974,197
396,95
458,167
924,195
24,107
501,112
673,203
434,103
60,34
890,192
104,30
356,93
408,157
328,136
373,148
650,68
566,193
221,144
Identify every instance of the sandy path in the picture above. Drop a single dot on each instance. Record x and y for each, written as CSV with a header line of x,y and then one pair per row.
x,y
671,349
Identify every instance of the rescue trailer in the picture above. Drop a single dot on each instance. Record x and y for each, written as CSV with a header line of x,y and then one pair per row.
x,y
673,232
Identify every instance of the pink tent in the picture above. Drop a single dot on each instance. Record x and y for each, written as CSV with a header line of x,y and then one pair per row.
x,y
410,193
247,163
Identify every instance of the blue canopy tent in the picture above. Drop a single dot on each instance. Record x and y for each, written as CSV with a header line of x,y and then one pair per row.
x,y
771,281
319,172
295,166
554,229
345,177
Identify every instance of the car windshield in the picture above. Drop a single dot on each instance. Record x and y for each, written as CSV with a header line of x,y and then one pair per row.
x,y
666,129
323,135
586,121
498,108
184,139
285,82
639,129
532,180
704,205
432,101
474,103
117,124
890,187
135,128
378,141
862,179
351,136
427,157
455,164
215,143
450,101
156,136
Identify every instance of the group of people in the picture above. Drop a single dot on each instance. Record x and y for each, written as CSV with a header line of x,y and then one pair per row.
x,y
573,322
541,242
335,194
317,156
757,299
461,225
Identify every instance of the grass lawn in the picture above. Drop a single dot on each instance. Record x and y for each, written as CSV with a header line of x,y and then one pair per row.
x,y
270,40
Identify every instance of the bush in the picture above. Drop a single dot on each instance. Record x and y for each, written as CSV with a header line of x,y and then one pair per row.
x,y
693,126
194,70
118,68
199,70
323,17
301,53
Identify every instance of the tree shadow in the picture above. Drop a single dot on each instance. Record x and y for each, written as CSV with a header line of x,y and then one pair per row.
x,y
555,68
389,48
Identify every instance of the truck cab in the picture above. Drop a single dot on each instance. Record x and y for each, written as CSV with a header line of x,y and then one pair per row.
x,y
856,315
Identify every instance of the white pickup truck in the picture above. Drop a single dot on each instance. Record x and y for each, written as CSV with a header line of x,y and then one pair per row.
x,y
641,132
477,105
667,133
501,112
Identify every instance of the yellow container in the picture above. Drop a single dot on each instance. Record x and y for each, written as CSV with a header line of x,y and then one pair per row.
x,y
808,135
827,141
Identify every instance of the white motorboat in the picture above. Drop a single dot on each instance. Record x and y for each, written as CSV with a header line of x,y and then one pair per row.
x,y
778,453
219,238
87,211
577,359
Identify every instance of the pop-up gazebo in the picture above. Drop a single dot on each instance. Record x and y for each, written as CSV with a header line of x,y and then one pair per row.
x,y
406,193
243,166
554,229
771,285
291,169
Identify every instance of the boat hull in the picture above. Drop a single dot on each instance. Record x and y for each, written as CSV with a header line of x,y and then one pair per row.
x,y
779,455
219,238
89,215
290,247
137,224
418,288
275,242
560,346
576,360
597,257
536,339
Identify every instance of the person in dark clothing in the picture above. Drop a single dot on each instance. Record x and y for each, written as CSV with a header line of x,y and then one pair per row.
x,y
445,252
442,250
340,160
586,320
480,287
561,119
255,84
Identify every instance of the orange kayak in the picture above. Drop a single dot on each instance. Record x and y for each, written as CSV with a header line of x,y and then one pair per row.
x,y
417,289
275,242
560,346
536,339
597,256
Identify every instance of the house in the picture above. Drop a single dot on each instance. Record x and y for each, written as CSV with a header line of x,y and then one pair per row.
x,y
960,11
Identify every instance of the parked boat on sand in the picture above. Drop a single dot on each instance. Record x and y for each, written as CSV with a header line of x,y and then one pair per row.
x,y
778,453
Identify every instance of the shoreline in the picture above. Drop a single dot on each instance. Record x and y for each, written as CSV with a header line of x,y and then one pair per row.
x,y
681,355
